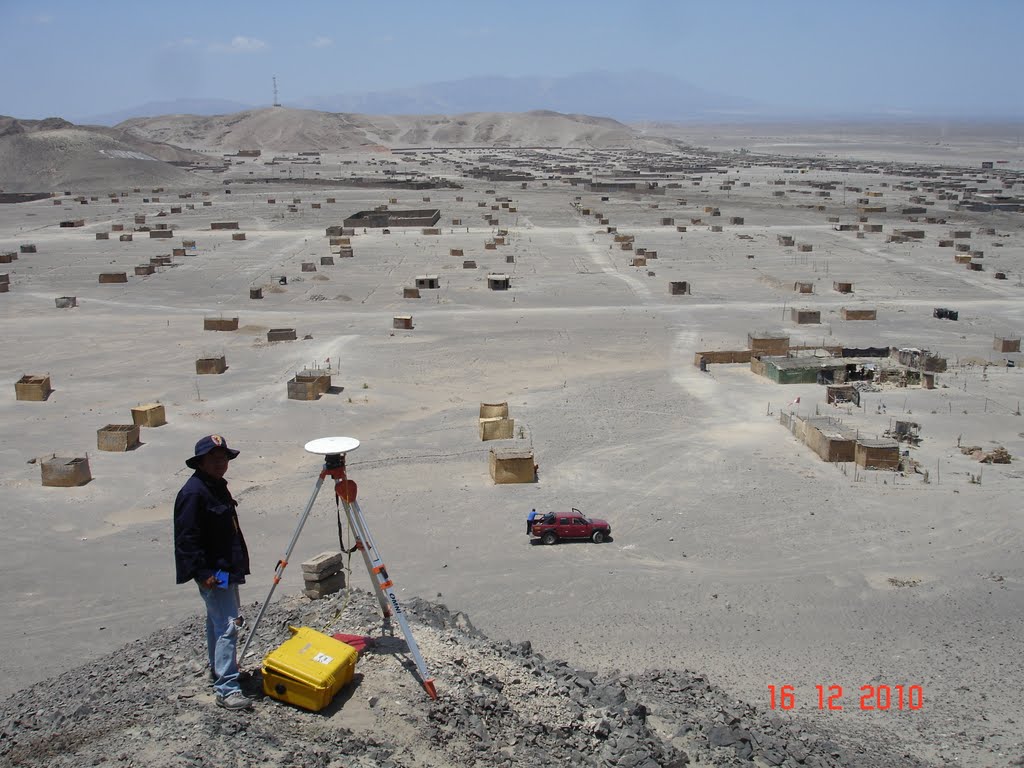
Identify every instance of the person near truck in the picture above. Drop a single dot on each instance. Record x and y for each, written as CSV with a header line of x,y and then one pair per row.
x,y
210,550
529,520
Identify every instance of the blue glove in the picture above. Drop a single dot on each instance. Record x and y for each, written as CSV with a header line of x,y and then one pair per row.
x,y
222,579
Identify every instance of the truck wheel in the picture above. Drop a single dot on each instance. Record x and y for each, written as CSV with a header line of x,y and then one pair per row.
x,y
597,537
549,538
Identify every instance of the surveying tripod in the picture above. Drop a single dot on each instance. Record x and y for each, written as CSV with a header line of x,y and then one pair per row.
x,y
333,449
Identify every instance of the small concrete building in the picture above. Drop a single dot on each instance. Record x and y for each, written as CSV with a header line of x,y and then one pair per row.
x,y
220,323
511,465
679,288
842,393
768,343
281,334
428,282
496,428
34,388
803,316
211,365
117,437
877,454
149,415
498,282
65,472
426,217
832,441
1006,344
815,370
493,410
309,384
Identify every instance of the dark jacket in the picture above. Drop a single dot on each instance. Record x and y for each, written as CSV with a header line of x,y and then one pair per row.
x,y
207,537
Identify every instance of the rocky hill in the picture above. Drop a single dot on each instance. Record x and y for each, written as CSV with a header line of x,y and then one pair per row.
x,y
498,704
282,129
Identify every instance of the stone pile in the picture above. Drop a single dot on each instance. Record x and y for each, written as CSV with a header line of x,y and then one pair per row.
x,y
323,575
997,455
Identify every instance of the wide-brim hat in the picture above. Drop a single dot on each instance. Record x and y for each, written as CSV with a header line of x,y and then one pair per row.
x,y
207,444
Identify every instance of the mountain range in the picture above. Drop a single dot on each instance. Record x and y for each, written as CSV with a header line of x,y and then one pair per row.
x,y
285,129
624,96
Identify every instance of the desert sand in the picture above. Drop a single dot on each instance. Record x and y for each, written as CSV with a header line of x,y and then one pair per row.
x,y
736,553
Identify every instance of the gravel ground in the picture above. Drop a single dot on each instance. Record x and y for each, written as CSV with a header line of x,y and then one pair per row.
x,y
499,704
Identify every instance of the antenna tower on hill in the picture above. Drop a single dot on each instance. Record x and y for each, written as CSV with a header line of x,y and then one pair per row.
x,y
276,102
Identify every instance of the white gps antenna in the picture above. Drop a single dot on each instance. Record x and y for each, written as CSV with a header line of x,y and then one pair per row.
x,y
332,446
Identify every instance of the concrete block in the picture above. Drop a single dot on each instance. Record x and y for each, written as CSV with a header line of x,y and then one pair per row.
x,y
317,589
323,565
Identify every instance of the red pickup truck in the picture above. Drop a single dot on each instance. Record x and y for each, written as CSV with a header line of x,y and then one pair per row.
x,y
554,526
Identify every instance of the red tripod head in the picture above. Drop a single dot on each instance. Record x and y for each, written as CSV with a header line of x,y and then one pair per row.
x,y
334,466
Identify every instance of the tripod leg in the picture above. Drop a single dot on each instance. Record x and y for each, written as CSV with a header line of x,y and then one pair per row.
x,y
385,590
279,570
365,546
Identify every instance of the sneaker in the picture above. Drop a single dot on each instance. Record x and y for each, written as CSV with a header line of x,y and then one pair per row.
x,y
234,700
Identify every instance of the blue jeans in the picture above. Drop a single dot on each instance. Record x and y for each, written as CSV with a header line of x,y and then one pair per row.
x,y
222,609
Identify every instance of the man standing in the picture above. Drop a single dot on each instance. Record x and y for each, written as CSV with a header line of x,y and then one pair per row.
x,y
209,549
529,520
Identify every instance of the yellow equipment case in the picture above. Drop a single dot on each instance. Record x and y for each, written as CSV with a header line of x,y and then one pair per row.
x,y
308,669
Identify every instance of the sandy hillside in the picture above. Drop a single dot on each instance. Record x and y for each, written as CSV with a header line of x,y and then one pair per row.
x,y
11,126
295,129
84,159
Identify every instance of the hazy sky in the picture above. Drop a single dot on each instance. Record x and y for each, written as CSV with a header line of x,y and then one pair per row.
x,y
78,58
